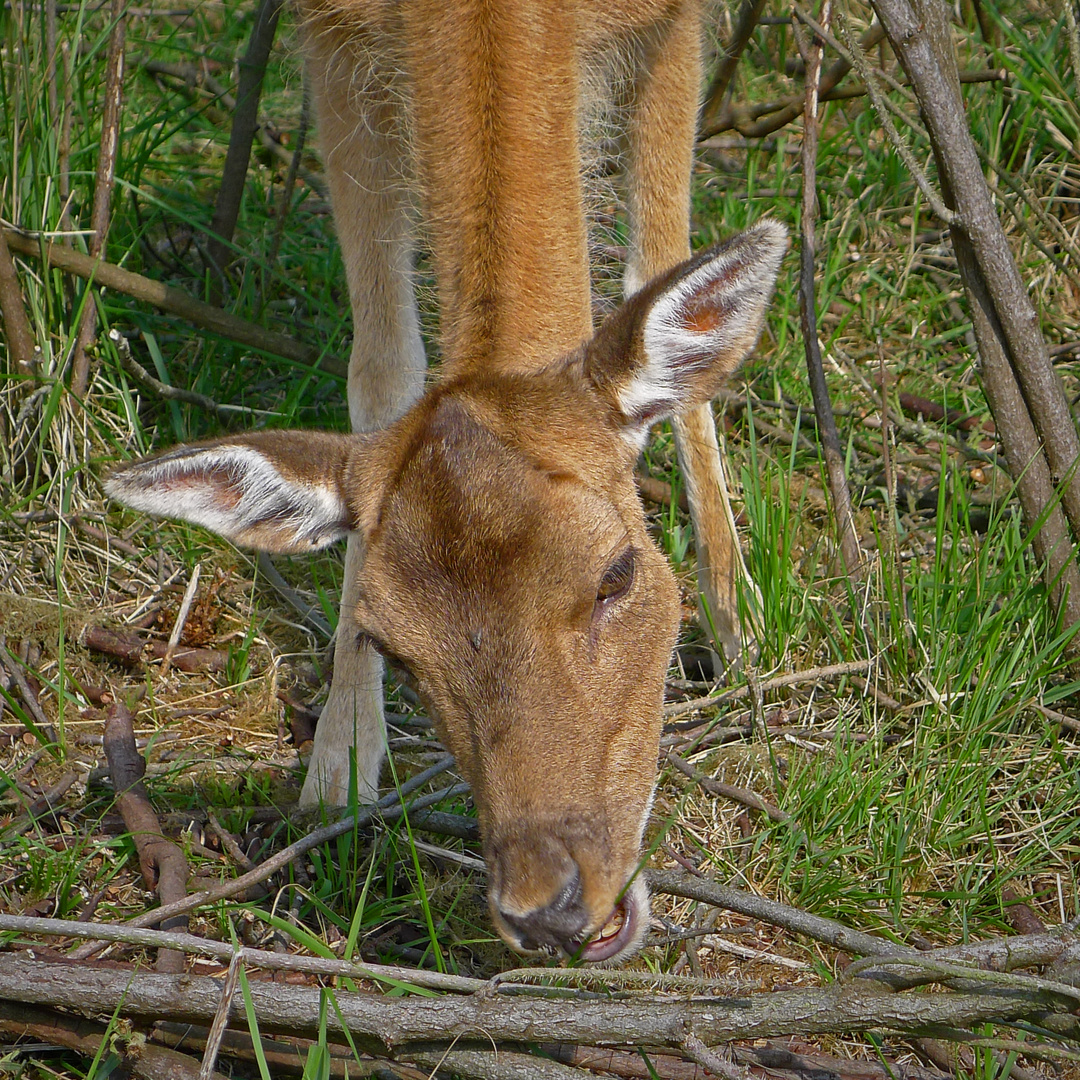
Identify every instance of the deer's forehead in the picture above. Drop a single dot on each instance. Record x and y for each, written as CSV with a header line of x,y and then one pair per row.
x,y
468,512
470,519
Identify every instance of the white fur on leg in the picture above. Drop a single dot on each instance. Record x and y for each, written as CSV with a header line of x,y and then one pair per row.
x,y
352,716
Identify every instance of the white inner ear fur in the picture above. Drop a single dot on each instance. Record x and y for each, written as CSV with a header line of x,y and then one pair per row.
x,y
733,288
237,492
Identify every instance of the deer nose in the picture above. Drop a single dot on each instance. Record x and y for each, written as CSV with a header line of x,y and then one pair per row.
x,y
557,924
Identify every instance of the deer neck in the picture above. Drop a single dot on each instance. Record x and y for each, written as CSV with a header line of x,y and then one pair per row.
x,y
496,115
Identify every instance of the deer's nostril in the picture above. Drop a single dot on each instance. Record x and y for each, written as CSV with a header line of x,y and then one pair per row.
x,y
557,924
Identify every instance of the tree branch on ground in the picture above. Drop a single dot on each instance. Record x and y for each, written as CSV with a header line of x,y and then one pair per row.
x,y
380,1023
163,865
136,1056
174,301
388,808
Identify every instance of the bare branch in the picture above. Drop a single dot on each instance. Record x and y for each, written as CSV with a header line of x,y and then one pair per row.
x,y
1025,395
101,208
901,147
245,121
164,867
172,300
850,553
829,671
378,1022
20,338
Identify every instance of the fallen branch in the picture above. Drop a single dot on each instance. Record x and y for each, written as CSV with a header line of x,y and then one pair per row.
x,y
727,791
131,649
136,1056
380,1024
164,390
834,933
174,301
389,807
44,804
163,865
817,1064
283,1058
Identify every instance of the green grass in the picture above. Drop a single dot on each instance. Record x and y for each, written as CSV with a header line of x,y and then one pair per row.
x,y
923,810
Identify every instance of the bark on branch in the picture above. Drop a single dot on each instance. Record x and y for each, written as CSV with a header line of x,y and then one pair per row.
x,y
174,301
1024,392
162,863
381,1024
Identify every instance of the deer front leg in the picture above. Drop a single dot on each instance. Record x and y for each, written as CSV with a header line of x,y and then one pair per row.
x,y
366,168
662,120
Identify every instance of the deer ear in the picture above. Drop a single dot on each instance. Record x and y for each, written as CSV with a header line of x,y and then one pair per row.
x,y
670,347
279,491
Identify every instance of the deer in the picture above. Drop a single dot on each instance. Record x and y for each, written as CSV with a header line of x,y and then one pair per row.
x,y
496,545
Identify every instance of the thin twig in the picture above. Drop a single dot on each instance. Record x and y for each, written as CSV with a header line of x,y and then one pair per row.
x,y
829,671
167,392
697,1051
949,217
193,945
174,301
14,669
228,842
728,791
181,618
221,1017
830,439
389,808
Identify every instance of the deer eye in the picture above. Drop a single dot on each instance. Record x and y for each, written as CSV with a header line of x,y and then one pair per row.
x,y
617,579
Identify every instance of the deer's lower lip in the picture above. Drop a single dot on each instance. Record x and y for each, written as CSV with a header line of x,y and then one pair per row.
x,y
615,935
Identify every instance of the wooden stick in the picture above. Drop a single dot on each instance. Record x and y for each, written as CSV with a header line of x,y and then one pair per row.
x,y
473,1022
830,671
164,867
174,301
20,338
101,209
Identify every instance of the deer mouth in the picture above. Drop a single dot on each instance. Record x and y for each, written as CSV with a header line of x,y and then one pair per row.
x,y
619,933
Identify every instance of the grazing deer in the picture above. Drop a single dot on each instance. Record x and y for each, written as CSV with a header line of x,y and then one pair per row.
x,y
496,544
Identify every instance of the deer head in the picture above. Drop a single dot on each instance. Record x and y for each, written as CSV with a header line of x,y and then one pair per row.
x,y
508,567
